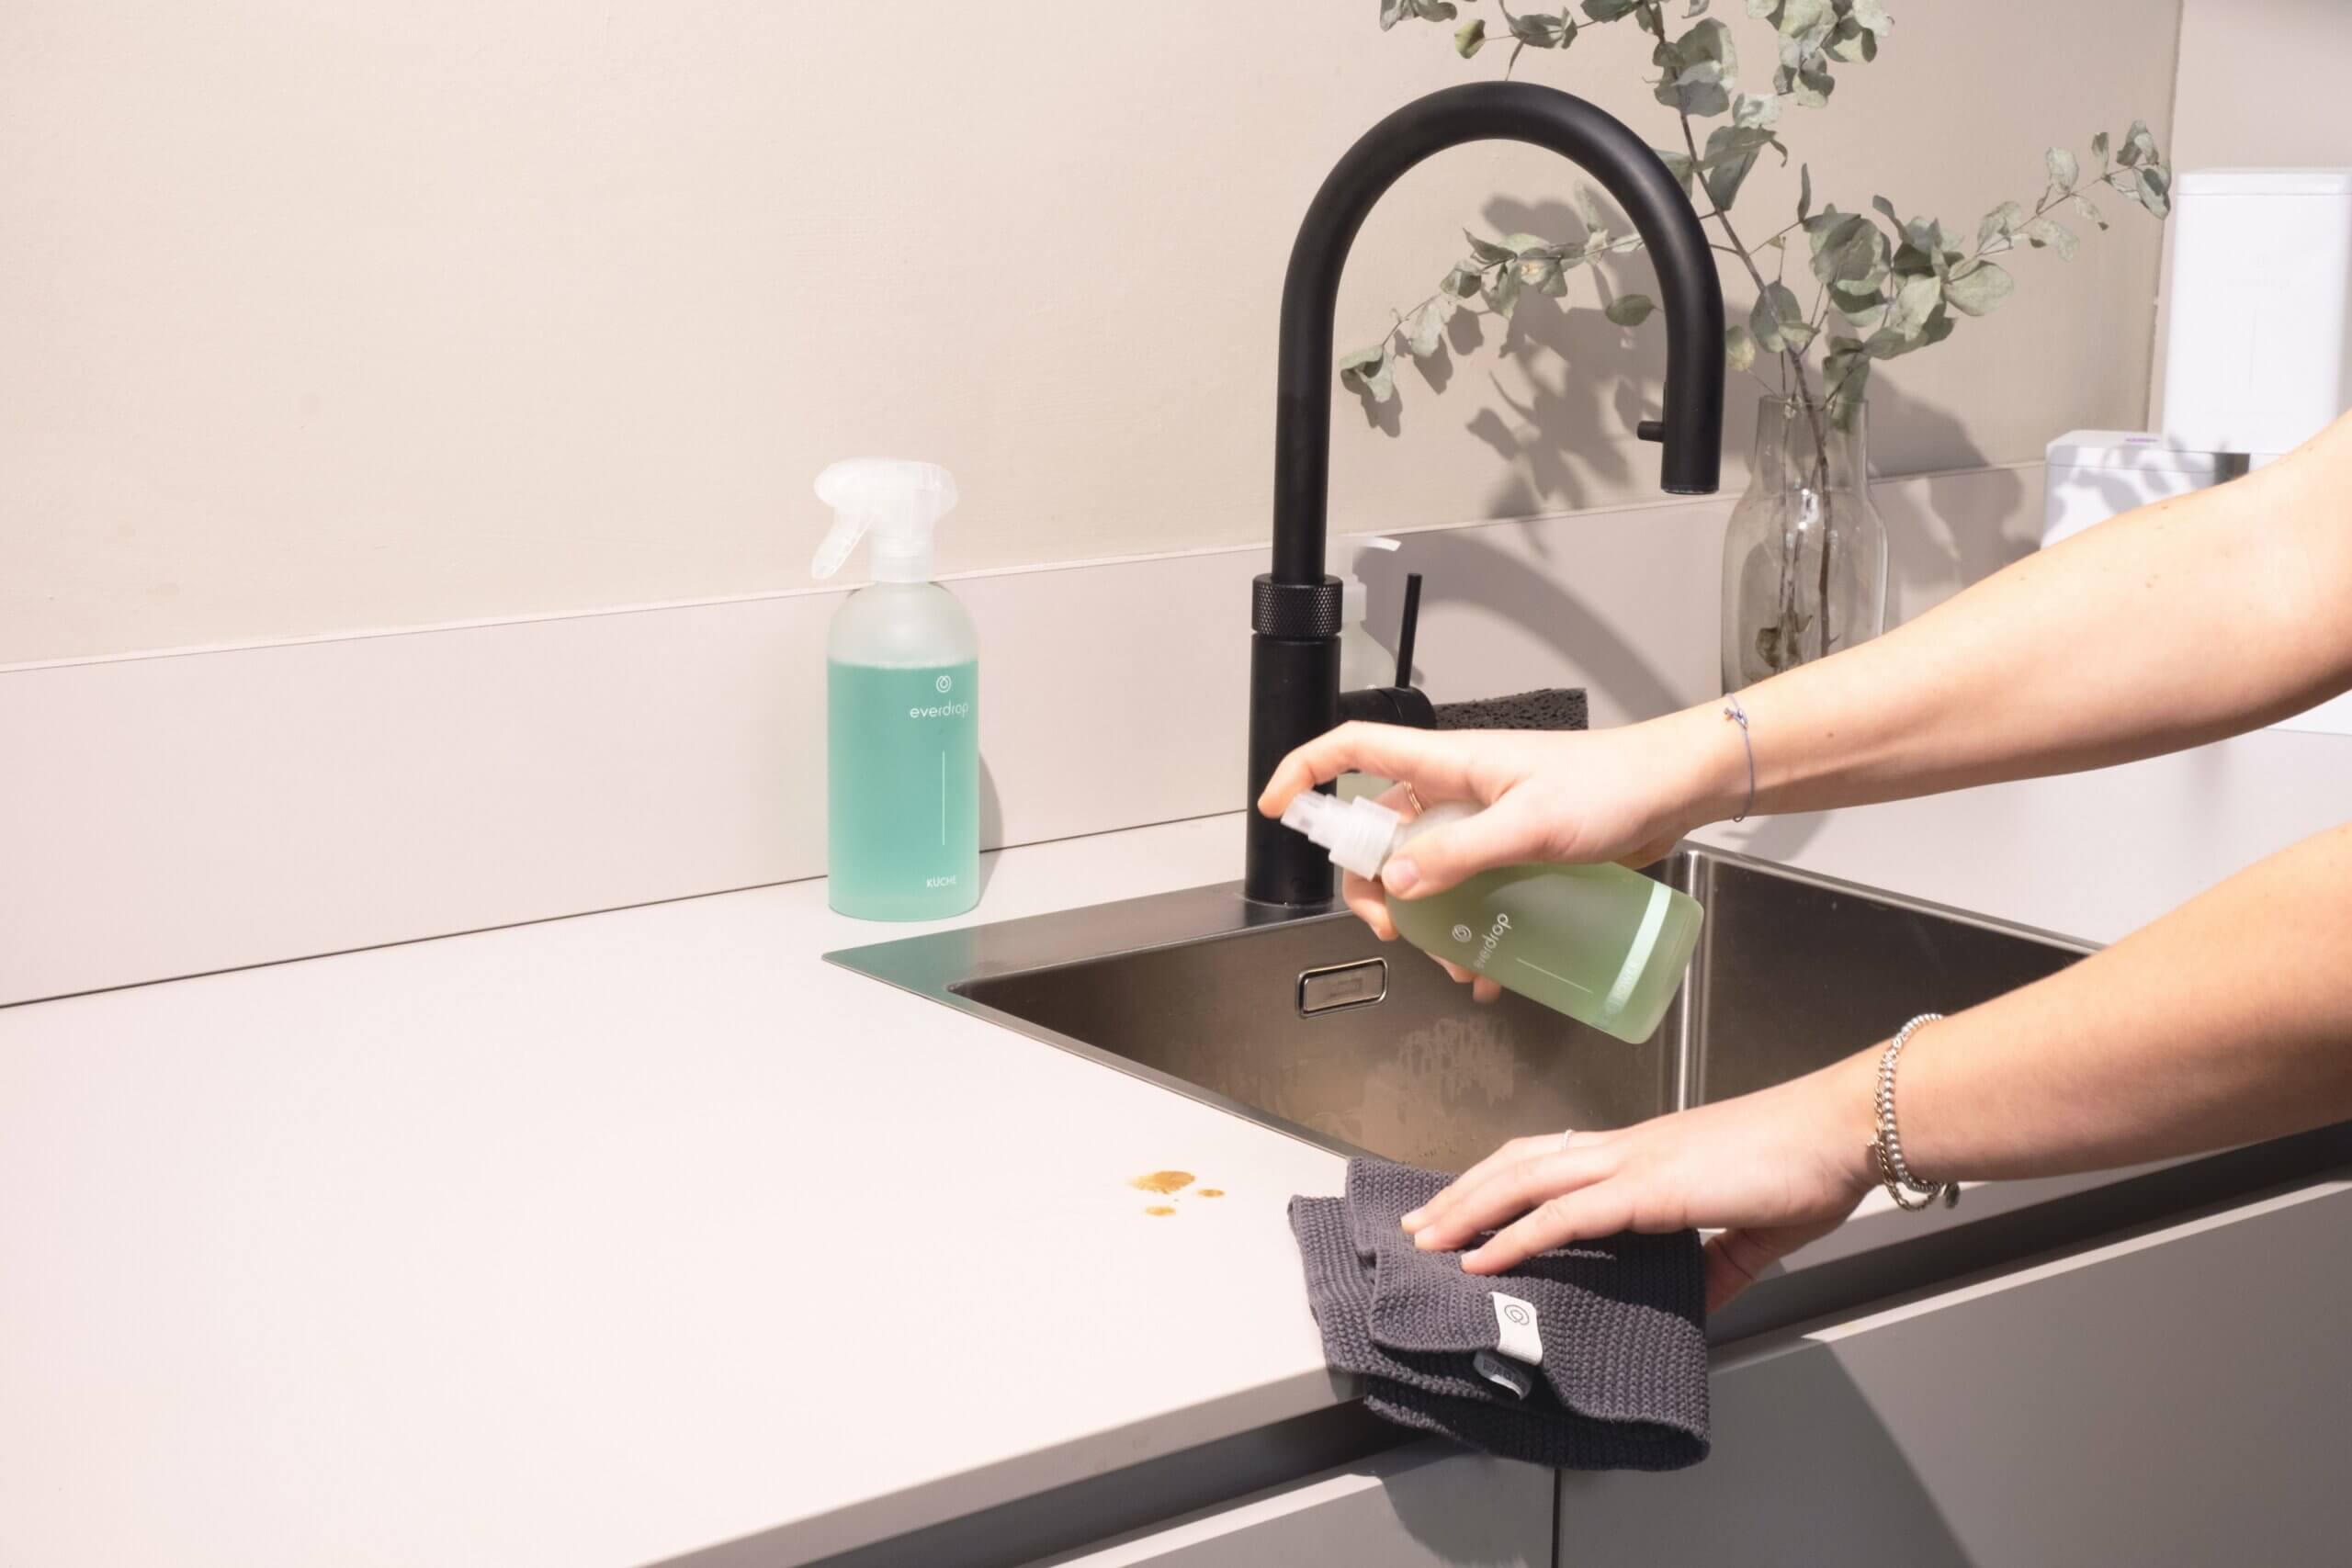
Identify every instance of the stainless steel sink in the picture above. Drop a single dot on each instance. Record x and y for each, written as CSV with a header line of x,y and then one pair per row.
x,y
1308,1024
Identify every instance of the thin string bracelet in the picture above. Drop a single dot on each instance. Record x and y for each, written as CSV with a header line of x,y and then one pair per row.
x,y
1738,715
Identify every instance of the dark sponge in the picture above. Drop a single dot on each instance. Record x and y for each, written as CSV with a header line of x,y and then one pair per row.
x,y
1555,707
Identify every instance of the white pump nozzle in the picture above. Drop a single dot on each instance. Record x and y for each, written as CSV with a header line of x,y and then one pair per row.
x,y
900,502
1359,834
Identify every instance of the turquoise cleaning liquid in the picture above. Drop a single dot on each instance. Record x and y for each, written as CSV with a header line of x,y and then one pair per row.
x,y
904,788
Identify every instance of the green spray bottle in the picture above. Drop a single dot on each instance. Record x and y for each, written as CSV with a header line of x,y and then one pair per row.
x,y
902,755
1605,945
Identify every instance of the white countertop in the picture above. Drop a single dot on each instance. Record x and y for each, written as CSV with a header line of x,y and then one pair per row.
x,y
601,1240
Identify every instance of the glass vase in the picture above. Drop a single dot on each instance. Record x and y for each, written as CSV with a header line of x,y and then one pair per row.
x,y
1804,553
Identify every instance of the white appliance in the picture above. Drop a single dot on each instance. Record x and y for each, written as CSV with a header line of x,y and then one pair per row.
x,y
2095,474
2259,352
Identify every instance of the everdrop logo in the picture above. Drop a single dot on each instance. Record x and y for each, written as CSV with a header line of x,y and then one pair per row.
x,y
945,684
1462,934
1493,940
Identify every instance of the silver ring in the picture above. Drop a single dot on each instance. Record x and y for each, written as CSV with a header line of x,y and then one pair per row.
x,y
1566,1137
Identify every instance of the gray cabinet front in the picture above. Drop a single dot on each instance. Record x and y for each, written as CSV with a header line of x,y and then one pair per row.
x,y
1426,1505
2180,1398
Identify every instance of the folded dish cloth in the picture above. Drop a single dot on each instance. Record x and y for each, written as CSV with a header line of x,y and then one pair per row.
x,y
1586,1358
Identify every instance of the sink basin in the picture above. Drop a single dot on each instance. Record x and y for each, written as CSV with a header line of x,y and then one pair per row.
x,y
1308,1024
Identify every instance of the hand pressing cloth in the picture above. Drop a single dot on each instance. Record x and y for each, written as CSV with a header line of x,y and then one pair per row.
x,y
1592,1357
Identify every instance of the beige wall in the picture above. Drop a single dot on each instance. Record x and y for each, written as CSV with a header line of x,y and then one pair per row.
x,y
317,318
2235,106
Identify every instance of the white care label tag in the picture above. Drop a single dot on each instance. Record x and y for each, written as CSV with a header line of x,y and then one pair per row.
x,y
1504,1375
1516,1334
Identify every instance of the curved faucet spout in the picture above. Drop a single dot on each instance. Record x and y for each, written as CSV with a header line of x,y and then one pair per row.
x,y
1295,608
1489,111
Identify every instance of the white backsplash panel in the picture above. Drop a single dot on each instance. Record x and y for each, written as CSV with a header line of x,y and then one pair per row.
x,y
175,813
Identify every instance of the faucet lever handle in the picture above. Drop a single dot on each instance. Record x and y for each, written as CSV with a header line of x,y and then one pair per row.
x,y
1406,628
1651,430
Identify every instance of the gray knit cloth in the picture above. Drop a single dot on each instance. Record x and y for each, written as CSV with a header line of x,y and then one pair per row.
x,y
1623,1380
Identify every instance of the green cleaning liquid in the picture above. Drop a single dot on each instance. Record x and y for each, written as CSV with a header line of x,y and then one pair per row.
x,y
902,762
1605,945
902,676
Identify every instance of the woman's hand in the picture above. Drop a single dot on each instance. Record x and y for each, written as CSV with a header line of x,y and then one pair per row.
x,y
1612,794
1774,1169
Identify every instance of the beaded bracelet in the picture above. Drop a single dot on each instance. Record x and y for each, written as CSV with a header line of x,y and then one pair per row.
x,y
1887,1147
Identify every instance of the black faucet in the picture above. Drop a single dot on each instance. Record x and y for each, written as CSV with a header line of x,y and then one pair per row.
x,y
1294,609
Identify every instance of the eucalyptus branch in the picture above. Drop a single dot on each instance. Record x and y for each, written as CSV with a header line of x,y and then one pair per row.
x,y
1885,286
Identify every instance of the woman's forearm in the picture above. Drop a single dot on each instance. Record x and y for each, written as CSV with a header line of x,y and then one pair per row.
x,y
2227,1021
2173,624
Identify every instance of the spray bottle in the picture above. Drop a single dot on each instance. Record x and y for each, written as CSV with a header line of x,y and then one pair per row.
x,y
1605,945
903,819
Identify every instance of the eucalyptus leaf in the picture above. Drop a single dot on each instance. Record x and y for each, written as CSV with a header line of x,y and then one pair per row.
x,y
1732,151
1699,68
1538,32
1851,250
1395,11
1811,83
1503,296
1999,231
1470,36
1798,17
2098,148
1761,8
1756,109
1980,290
2141,143
1739,347
1629,309
1372,371
2063,170
2083,206
1804,191
1804,71
1485,250
2155,188
1851,41
1913,303
1886,343
1910,260
1858,298
1847,370
1464,280
1929,236
1887,208
1698,8
1778,320
1678,164
2050,233
1545,274
1524,246
1425,328
1608,11
1872,15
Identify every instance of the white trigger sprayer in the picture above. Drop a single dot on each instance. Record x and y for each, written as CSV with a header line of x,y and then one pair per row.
x,y
899,503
